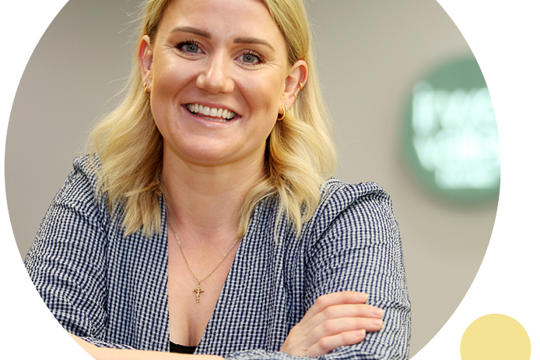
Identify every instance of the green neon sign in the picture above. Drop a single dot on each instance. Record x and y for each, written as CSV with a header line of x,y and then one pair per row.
x,y
451,137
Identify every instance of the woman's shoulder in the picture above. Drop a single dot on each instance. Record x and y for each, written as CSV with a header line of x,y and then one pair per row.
x,y
79,188
83,175
342,204
338,194
86,165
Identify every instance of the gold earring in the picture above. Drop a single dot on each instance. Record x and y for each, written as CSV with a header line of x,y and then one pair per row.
x,y
296,93
282,114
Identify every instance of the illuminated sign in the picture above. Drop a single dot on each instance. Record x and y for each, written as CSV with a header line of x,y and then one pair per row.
x,y
451,133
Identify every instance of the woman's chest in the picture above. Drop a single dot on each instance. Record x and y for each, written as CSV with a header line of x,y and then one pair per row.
x,y
193,292
251,301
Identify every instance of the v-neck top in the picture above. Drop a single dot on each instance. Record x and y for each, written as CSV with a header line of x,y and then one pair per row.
x,y
111,289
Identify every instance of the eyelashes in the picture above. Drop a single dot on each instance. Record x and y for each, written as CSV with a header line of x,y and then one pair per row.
x,y
189,46
247,57
251,57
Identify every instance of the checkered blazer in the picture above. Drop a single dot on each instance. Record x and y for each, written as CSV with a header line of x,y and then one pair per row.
x,y
112,290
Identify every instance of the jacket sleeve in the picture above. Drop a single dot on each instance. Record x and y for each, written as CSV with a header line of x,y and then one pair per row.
x,y
357,246
67,261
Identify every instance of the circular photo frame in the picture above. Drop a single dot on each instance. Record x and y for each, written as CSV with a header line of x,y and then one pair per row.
x,y
366,129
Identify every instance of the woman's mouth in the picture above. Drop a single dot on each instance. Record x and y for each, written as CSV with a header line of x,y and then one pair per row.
x,y
211,113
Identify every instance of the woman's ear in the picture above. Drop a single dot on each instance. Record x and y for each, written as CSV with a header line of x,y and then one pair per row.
x,y
294,82
145,56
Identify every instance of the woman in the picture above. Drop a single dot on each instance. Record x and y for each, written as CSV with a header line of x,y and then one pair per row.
x,y
205,222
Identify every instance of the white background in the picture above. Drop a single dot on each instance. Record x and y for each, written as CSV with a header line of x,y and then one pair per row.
x,y
504,39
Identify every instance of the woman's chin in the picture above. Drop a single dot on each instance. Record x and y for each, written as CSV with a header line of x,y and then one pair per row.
x,y
208,156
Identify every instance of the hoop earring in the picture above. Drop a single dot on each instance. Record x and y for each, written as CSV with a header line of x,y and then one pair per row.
x,y
282,114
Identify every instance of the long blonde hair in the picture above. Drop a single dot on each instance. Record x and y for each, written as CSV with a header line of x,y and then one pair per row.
x,y
300,153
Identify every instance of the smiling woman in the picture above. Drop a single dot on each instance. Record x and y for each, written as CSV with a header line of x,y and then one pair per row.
x,y
204,219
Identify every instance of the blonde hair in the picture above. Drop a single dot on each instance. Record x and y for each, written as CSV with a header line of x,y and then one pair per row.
x,y
300,153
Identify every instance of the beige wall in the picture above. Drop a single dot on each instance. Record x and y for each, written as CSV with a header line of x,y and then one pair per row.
x,y
369,54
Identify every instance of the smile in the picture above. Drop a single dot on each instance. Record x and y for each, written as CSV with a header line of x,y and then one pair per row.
x,y
218,114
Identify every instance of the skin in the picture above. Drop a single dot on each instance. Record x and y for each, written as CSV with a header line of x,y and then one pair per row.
x,y
226,54
334,320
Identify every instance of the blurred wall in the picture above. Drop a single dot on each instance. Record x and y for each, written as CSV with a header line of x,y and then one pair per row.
x,y
370,52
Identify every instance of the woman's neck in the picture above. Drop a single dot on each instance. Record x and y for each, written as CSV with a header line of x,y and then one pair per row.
x,y
206,200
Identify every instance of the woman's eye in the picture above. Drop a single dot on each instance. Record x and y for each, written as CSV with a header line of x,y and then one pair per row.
x,y
189,47
250,58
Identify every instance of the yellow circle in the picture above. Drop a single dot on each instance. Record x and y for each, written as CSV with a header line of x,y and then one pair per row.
x,y
495,337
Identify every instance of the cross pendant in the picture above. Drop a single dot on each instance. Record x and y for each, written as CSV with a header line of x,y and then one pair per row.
x,y
198,291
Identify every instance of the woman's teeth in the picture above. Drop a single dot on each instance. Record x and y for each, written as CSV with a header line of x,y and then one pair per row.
x,y
218,113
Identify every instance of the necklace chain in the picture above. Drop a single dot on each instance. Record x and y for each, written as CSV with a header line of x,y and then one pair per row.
x,y
198,290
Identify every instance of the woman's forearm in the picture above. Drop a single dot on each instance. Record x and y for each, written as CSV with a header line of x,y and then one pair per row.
x,y
119,354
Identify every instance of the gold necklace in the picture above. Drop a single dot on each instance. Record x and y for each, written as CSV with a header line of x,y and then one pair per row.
x,y
198,290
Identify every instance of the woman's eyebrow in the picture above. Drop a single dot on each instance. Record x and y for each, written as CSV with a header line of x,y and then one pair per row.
x,y
192,30
251,40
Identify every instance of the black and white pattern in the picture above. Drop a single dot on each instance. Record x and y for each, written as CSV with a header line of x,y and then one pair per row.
x,y
112,290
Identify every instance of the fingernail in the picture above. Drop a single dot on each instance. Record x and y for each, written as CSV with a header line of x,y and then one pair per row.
x,y
379,312
377,322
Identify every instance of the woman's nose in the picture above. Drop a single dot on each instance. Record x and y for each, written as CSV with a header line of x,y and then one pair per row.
x,y
215,77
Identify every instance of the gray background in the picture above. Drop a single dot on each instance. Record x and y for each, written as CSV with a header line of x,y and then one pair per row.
x,y
369,52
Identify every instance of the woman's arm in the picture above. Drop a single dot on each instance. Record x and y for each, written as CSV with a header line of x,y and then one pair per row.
x,y
67,260
360,250
100,353
351,245
334,320
68,263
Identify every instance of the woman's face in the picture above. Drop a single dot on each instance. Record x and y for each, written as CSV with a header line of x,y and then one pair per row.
x,y
217,73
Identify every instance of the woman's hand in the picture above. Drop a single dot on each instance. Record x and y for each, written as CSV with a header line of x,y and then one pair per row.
x,y
100,353
334,320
